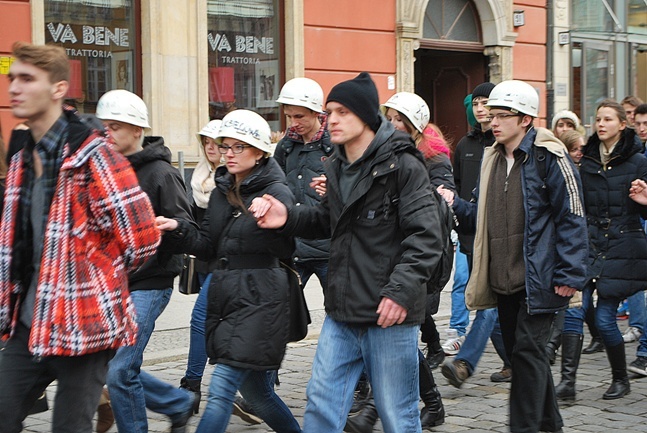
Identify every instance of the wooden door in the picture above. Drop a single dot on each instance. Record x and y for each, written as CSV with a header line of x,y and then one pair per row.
x,y
443,79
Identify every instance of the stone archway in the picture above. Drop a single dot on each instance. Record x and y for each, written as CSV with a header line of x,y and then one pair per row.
x,y
498,39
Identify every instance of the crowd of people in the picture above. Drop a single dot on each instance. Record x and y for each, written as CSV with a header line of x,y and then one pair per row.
x,y
95,219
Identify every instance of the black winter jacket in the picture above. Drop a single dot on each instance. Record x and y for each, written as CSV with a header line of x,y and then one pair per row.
x,y
467,165
618,247
247,311
439,169
301,163
383,243
166,191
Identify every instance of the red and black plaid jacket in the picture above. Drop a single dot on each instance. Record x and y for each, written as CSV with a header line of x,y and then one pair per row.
x,y
100,227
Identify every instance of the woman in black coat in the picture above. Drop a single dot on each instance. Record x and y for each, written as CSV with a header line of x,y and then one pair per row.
x,y
612,160
247,321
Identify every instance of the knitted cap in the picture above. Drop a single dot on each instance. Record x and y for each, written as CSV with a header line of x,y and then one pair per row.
x,y
483,90
359,95
566,114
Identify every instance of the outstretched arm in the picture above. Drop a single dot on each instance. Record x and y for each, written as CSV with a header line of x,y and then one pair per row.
x,y
269,212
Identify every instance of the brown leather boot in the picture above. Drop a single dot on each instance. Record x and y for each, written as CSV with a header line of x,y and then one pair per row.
x,y
105,418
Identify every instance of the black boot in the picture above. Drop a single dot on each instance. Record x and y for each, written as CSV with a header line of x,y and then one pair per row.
x,y
555,339
363,420
435,355
433,414
193,385
594,346
620,382
361,394
571,350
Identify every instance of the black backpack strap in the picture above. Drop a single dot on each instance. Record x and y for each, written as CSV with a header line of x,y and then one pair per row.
x,y
540,155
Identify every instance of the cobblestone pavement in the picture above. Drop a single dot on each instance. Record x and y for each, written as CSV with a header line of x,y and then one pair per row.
x,y
479,406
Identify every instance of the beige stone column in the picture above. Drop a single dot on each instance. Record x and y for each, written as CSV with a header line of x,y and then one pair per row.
x,y
174,71
409,18
294,35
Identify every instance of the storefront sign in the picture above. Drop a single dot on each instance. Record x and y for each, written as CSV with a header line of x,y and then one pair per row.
x,y
230,44
90,41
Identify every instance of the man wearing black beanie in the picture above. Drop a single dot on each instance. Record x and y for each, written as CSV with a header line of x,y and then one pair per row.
x,y
385,241
467,163
359,95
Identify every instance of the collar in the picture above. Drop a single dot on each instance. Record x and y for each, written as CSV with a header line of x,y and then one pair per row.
x,y
52,138
323,119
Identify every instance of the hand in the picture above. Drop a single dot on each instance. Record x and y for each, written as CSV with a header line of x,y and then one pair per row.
x,y
390,313
319,184
165,224
565,291
269,212
638,191
447,194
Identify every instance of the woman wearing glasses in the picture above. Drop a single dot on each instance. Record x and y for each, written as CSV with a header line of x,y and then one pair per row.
x,y
247,307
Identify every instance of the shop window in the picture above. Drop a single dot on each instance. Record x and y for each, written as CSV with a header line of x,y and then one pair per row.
x,y
244,57
592,77
102,42
590,15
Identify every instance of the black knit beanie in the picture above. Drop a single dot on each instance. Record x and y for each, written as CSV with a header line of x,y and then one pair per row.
x,y
359,95
482,89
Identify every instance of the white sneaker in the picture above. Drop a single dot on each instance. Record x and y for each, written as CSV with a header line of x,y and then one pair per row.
x,y
631,334
453,345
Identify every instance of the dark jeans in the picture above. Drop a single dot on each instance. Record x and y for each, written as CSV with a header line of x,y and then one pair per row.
x,y
317,267
533,406
80,381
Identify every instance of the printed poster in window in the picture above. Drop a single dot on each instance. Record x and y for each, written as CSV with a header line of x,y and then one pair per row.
x,y
267,83
122,70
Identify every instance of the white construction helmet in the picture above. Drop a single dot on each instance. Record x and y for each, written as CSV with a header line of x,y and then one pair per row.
x,y
248,127
412,106
209,130
515,95
303,92
123,106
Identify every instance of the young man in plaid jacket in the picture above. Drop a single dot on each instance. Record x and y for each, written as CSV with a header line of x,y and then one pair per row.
x,y
75,223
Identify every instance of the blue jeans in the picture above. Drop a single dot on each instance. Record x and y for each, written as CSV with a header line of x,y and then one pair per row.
x,y
637,316
485,325
605,320
575,316
197,346
642,345
342,353
317,267
460,318
257,389
132,390
574,321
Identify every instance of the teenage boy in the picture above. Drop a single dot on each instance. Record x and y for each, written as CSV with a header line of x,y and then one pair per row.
x,y
530,246
467,164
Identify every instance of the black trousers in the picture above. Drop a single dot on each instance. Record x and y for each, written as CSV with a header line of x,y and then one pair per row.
x,y
533,405
23,380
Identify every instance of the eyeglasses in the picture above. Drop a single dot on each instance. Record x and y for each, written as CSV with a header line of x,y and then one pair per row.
x,y
236,148
503,116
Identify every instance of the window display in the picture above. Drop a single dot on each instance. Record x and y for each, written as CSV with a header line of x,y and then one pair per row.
x,y
101,40
244,52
